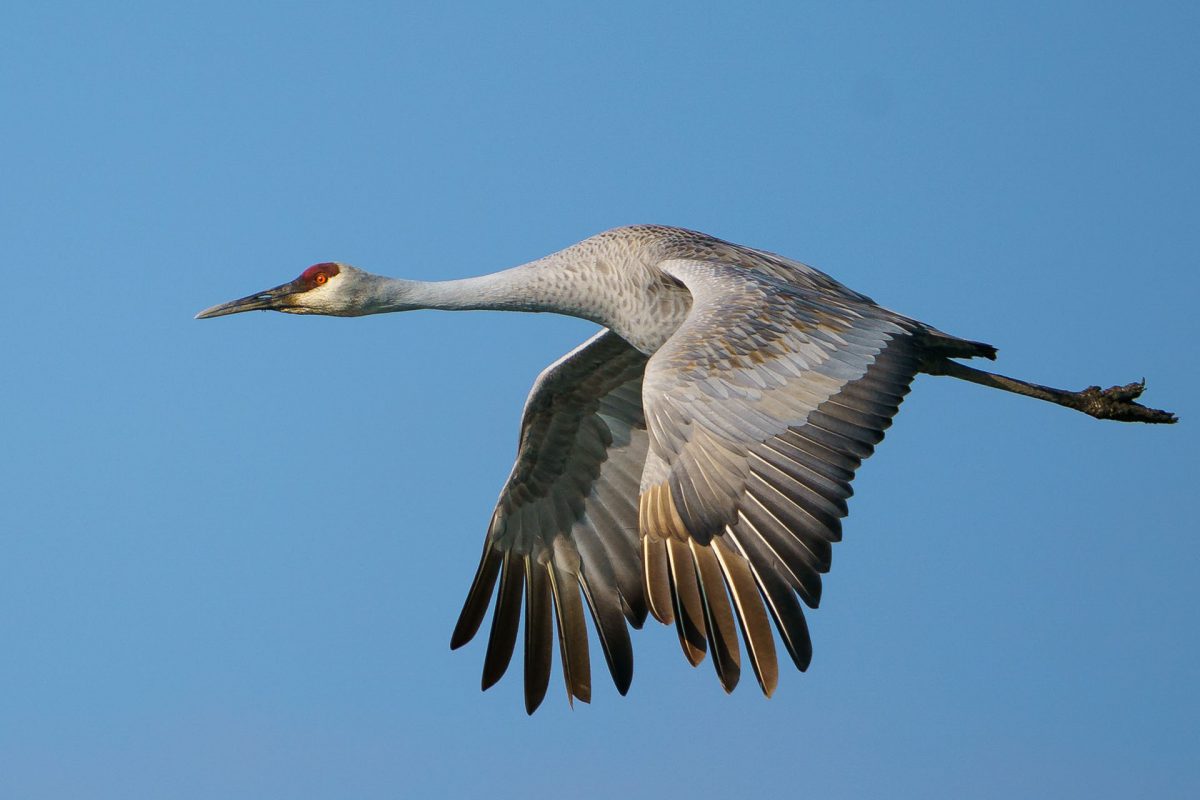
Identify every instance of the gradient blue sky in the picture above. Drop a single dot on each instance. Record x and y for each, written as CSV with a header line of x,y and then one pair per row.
x,y
231,552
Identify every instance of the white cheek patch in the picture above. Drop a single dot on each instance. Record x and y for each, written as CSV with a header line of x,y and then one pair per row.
x,y
321,299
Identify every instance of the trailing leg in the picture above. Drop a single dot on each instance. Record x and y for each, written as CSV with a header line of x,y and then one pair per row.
x,y
1116,402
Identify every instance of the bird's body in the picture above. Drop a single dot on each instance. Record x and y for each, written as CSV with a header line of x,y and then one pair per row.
x,y
692,461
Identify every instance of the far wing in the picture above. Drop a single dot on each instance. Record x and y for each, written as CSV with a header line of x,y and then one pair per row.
x,y
760,408
566,522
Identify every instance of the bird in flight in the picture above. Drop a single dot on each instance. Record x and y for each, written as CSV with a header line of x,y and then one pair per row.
x,y
692,460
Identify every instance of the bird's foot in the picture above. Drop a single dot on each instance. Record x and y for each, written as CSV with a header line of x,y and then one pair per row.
x,y
1117,402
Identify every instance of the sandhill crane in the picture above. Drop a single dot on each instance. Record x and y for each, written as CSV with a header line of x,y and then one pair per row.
x,y
693,460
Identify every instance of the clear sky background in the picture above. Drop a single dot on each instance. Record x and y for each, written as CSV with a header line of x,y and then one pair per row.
x,y
232,551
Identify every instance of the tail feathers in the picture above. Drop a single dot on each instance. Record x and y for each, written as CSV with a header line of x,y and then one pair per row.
x,y
944,345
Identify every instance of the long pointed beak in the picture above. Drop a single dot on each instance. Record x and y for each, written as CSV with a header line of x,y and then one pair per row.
x,y
271,300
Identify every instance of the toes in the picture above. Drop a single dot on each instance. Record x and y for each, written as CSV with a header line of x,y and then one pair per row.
x,y
1126,393
1117,402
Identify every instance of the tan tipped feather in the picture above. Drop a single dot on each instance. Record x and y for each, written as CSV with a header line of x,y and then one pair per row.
x,y
689,609
751,615
718,616
657,578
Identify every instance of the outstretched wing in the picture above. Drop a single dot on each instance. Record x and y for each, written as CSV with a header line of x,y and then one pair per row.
x,y
760,408
566,522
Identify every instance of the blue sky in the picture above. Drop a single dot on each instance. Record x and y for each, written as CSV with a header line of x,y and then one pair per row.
x,y
232,552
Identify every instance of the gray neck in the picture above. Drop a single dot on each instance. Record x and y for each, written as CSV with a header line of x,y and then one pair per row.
x,y
536,286
603,279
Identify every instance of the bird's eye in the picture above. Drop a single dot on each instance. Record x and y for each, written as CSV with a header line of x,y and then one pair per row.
x,y
320,278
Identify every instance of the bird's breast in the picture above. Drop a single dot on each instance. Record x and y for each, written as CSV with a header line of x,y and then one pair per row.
x,y
648,318
617,287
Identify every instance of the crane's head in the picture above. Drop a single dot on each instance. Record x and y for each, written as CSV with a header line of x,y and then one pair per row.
x,y
328,288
